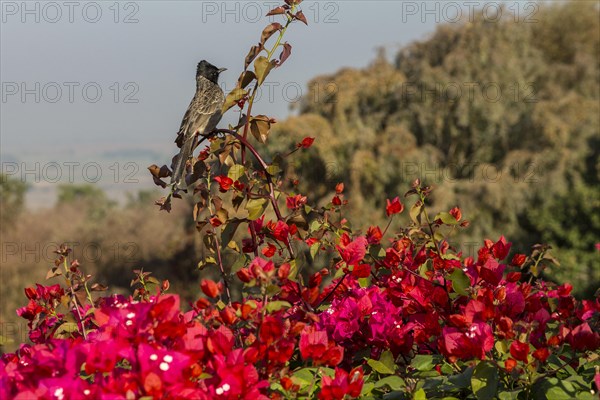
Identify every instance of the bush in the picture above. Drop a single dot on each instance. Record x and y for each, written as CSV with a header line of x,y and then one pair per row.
x,y
392,315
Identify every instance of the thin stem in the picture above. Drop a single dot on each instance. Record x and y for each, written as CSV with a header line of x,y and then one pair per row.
x,y
333,290
74,299
222,269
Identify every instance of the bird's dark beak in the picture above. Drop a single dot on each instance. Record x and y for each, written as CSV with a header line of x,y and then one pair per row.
x,y
222,69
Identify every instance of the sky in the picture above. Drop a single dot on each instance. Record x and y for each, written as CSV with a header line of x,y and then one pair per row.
x,y
96,82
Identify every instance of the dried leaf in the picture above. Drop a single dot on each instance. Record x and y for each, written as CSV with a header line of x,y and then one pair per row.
x,y
158,173
260,127
277,11
245,78
269,31
262,67
254,50
164,203
233,97
300,17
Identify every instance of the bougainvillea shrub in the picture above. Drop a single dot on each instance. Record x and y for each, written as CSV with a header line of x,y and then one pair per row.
x,y
398,315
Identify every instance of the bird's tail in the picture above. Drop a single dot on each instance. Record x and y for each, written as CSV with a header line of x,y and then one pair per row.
x,y
180,161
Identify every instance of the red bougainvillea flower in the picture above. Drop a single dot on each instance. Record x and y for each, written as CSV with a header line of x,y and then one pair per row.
x,y
279,230
306,142
295,202
269,251
541,354
361,270
501,248
342,384
374,235
224,182
518,260
394,206
210,288
469,343
456,213
352,252
583,338
519,351
315,345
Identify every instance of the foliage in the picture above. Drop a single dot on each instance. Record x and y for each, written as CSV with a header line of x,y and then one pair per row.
x,y
392,315
501,117
12,199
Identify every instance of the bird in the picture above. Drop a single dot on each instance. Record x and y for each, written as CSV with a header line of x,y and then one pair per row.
x,y
202,116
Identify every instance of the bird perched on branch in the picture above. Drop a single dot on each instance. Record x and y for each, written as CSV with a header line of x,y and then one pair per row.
x,y
202,116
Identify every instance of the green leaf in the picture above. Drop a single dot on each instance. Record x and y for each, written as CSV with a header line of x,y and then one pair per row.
x,y
501,346
255,208
446,218
229,231
460,281
66,328
462,380
303,377
387,358
314,248
239,263
485,381
394,382
385,365
514,395
273,169
236,172
415,212
420,395
422,362
273,306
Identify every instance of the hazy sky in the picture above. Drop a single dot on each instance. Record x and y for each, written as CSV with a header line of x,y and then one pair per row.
x,y
83,78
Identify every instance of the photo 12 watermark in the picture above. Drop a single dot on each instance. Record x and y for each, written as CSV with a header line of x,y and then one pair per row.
x,y
469,11
408,171
85,252
70,92
72,172
292,92
54,12
316,12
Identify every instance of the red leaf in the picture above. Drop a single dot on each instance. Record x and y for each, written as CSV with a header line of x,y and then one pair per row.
x,y
276,11
300,17
287,51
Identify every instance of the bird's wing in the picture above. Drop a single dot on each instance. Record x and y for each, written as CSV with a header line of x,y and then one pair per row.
x,y
203,115
204,111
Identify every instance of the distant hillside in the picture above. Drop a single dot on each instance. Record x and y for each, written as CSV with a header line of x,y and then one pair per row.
x,y
501,118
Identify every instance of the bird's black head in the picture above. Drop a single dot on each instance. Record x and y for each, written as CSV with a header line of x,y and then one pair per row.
x,y
208,71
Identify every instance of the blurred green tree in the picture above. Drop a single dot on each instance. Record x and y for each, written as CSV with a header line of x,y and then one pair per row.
x,y
501,117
